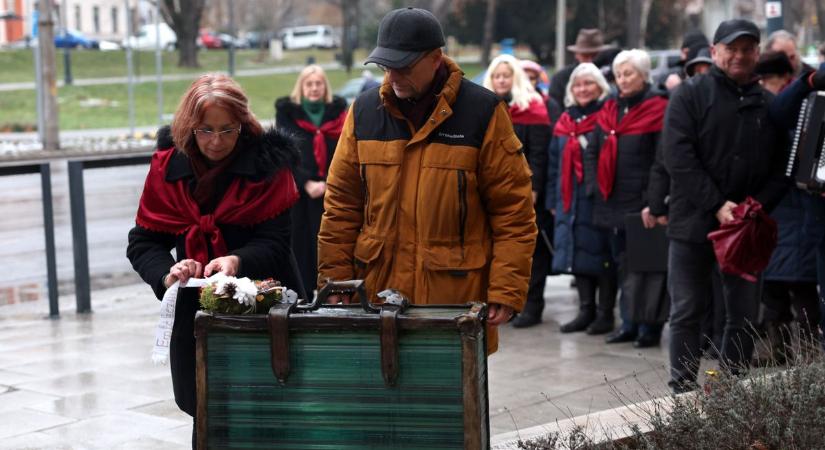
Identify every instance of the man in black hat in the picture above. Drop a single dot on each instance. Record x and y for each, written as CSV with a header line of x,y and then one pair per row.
x,y
429,192
589,43
719,148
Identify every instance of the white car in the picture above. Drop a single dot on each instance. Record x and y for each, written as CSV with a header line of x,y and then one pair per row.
x,y
145,38
310,36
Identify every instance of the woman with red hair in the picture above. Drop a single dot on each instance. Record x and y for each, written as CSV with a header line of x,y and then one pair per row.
x,y
218,191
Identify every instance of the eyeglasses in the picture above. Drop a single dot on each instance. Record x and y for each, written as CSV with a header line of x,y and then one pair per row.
x,y
223,134
405,71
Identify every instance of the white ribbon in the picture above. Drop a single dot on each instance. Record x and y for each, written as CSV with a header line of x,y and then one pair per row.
x,y
163,332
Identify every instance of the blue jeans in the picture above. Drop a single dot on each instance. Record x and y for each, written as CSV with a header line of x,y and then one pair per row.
x,y
690,267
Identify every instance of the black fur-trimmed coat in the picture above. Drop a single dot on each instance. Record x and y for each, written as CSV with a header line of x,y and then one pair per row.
x,y
264,249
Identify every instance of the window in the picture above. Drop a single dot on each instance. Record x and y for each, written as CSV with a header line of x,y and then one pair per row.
x,y
77,23
96,18
114,19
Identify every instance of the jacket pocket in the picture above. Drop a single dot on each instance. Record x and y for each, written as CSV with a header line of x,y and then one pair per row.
x,y
451,278
367,258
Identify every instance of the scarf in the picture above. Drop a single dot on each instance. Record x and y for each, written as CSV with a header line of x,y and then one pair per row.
x,y
207,173
418,110
534,114
168,207
314,110
329,130
646,117
571,156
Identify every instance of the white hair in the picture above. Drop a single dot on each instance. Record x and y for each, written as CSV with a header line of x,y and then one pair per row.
x,y
522,91
585,70
638,59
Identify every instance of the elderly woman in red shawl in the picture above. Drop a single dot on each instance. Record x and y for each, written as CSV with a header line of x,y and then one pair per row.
x,y
218,191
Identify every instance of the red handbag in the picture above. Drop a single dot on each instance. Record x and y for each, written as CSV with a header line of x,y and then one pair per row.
x,y
743,246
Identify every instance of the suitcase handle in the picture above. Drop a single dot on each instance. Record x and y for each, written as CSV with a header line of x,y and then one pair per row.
x,y
338,287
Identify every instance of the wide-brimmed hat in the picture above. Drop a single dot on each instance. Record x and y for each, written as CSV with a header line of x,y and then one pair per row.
x,y
404,35
589,40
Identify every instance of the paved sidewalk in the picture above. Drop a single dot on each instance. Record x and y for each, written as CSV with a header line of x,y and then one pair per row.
x,y
87,382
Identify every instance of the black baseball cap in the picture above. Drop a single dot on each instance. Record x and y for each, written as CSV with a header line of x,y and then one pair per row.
x,y
404,35
729,30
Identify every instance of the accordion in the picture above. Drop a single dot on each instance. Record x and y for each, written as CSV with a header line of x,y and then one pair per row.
x,y
807,157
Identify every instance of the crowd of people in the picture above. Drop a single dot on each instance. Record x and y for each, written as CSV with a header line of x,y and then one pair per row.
x,y
676,154
453,192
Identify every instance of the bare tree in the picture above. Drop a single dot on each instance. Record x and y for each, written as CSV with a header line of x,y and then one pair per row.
x,y
184,16
489,29
350,10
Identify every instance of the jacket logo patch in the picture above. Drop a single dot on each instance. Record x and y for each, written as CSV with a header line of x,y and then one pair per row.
x,y
450,135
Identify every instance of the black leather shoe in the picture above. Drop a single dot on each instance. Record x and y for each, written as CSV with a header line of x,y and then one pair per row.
x,y
601,325
619,336
580,323
526,321
646,341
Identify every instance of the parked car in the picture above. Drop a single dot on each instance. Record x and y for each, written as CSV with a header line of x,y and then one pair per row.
x,y
317,36
146,38
259,39
227,40
69,38
209,39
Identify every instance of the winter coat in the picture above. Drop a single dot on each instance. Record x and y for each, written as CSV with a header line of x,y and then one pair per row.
x,y
580,247
306,213
263,249
634,158
719,145
535,138
800,220
442,213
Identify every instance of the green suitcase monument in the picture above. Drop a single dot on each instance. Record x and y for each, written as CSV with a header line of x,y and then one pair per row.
x,y
387,376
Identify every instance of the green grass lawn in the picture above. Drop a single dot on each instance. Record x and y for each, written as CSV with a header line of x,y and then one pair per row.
x,y
110,110
18,65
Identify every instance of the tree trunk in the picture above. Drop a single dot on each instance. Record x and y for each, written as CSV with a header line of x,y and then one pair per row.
x,y
646,5
634,32
184,18
489,29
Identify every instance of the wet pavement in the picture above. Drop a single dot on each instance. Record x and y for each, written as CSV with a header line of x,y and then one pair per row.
x,y
87,381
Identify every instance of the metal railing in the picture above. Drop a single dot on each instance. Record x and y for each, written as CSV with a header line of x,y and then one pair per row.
x,y
44,169
77,200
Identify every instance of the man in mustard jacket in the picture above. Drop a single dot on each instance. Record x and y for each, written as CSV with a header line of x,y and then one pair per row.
x,y
429,191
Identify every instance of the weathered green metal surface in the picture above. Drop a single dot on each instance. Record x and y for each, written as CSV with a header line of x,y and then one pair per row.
x,y
335,397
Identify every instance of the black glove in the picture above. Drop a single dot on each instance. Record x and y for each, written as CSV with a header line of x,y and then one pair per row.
x,y
818,80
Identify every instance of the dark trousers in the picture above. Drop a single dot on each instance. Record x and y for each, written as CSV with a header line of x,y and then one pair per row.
x,y
630,283
785,299
538,279
690,268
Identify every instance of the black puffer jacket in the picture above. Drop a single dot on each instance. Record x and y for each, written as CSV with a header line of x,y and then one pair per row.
x,y
635,154
261,248
719,145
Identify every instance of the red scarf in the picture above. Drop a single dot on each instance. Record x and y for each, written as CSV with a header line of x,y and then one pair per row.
x,y
327,130
571,156
169,207
534,114
646,117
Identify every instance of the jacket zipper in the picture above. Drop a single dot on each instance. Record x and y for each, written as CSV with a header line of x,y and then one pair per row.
x,y
366,194
462,208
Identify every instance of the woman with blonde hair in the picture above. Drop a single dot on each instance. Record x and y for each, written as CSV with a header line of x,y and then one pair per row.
x,y
218,191
314,117
580,247
507,79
